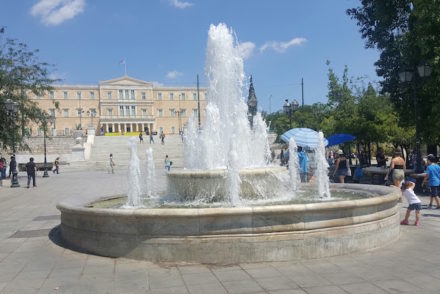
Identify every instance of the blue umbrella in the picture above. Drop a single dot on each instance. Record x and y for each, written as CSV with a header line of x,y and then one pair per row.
x,y
337,139
303,137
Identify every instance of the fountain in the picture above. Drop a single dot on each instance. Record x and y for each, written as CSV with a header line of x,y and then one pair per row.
x,y
228,205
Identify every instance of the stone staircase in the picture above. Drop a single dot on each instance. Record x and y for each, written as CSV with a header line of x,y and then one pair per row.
x,y
118,146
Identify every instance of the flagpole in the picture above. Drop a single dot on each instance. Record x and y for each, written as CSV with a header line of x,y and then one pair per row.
x,y
125,67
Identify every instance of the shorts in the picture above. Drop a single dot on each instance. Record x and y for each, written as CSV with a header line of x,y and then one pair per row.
x,y
416,206
434,191
398,175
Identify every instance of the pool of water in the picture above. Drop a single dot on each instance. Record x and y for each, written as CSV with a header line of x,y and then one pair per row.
x,y
303,197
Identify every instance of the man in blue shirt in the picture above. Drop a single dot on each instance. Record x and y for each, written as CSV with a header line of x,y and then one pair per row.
x,y
433,178
302,157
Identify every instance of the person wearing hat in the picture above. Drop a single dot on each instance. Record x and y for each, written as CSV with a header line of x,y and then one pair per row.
x,y
342,168
433,179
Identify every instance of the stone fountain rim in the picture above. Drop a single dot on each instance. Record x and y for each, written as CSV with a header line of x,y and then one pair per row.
x,y
386,195
224,171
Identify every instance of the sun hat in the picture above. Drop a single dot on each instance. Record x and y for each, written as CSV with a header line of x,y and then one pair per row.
x,y
340,152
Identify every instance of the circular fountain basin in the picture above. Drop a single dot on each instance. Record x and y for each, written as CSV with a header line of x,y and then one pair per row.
x,y
237,234
256,183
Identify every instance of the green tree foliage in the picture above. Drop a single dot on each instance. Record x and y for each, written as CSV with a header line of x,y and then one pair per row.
x,y
20,72
407,34
352,109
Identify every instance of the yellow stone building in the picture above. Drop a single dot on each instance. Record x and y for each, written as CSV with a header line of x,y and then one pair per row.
x,y
121,105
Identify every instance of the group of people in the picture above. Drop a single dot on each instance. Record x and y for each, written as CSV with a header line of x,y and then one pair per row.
x,y
302,159
141,138
31,169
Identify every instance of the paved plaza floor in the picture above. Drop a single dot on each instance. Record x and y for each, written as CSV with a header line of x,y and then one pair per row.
x,y
32,259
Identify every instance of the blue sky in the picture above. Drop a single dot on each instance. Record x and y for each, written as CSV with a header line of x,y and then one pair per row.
x,y
165,41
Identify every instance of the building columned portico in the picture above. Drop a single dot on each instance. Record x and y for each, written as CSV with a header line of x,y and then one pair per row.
x,y
121,105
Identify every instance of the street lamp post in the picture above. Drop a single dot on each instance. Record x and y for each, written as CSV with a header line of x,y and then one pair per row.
x,y
92,114
12,108
290,108
49,119
424,70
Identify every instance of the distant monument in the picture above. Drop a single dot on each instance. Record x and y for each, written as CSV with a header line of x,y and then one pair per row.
x,y
252,103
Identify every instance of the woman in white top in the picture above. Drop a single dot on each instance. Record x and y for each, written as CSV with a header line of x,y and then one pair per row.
x,y
414,202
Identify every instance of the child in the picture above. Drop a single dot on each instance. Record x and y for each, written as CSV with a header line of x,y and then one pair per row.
x,y
433,178
414,202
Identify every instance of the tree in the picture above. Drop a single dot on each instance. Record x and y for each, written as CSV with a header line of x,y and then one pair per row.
x,y
407,34
20,73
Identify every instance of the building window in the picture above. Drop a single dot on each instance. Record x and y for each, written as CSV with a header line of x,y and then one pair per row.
x,y
194,96
144,96
66,132
65,95
121,110
66,112
182,112
132,94
52,94
121,94
109,111
78,95
159,96
80,111
144,112
52,112
171,96
182,96
109,95
93,112
172,112
126,95
173,130
160,112
127,110
92,95
133,110
37,96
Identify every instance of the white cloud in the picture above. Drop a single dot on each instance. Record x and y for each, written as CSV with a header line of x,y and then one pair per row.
x,y
180,4
282,46
157,84
246,49
174,74
55,12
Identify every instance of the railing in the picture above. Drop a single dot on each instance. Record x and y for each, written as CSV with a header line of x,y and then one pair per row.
x,y
115,118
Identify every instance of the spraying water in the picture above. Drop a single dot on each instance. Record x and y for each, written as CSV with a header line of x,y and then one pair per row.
x,y
322,168
293,165
150,174
134,176
226,140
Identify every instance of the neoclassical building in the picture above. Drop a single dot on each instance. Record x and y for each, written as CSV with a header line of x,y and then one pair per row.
x,y
121,105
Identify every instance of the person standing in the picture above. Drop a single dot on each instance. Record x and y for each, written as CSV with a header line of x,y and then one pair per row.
x,y
397,168
12,165
141,138
163,138
433,179
380,158
31,169
151,138
341,167
57,164
3,170
168,163
112,163
303,164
